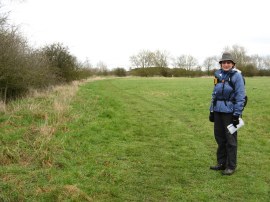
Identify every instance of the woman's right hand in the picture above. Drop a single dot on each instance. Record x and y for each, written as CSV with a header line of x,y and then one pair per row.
x,y
211,117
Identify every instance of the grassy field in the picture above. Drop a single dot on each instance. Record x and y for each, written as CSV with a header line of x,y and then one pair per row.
x,y
130,139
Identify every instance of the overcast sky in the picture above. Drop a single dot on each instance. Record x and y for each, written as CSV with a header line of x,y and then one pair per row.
x,y
113,30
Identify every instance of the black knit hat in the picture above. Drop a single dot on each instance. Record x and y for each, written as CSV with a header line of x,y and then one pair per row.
x,y
226,57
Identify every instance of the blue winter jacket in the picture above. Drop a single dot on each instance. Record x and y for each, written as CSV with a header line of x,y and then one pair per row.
x,y
228,98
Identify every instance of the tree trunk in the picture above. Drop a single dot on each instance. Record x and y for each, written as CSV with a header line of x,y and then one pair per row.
x,y
5,95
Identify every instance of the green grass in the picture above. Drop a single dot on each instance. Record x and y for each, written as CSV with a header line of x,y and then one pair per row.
x,y
135,139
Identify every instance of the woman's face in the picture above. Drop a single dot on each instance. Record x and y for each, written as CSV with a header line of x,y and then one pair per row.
x,y
226,65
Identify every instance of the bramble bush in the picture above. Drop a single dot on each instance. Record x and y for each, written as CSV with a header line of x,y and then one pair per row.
x,y
23,68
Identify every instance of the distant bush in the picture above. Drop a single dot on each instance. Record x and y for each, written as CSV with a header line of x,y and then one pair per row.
x,y
179,72
263,72
83,73
166,72
248,69
119,72
151,71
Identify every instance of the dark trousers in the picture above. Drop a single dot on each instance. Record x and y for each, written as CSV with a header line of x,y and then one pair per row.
x,y
227,142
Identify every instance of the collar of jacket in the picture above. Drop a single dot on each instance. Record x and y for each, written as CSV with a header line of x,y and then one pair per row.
x,y
221,74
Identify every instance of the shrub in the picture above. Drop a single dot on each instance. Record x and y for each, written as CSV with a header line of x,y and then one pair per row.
x,y
14,80
119,72
62,61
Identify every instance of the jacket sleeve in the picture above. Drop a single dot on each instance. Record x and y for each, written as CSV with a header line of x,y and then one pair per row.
x,y
239,94
213,93
212,101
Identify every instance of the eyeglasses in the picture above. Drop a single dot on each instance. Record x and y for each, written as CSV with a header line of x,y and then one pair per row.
x,y
226,62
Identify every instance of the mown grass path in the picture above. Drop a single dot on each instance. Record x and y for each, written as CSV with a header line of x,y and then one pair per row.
x,y
149,139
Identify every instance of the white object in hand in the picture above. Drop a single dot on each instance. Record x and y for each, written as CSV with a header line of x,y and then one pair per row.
x,y
231,127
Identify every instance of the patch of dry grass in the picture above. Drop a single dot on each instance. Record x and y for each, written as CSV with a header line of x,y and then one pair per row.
x,y
28,144
2,107
72,191
33,121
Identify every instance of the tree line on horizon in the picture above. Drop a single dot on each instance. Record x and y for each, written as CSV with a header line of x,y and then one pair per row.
x,y
146,61
23,68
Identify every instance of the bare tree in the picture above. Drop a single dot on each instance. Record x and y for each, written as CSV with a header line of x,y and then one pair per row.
x,y
257,61
239,53
161,59
3,21
266,61
144,58
102,67
87,64
186,62
134,61
179,62
210,63
191,62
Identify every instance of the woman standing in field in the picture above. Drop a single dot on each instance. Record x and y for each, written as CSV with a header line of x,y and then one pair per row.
x,y
227,104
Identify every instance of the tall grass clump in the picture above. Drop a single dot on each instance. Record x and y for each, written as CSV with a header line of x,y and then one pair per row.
x,y
28,125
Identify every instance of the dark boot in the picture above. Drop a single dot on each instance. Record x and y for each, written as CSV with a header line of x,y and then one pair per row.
x,y
228,171
218,167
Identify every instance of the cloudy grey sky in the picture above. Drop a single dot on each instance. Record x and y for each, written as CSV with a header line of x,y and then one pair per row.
x,y
113,30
